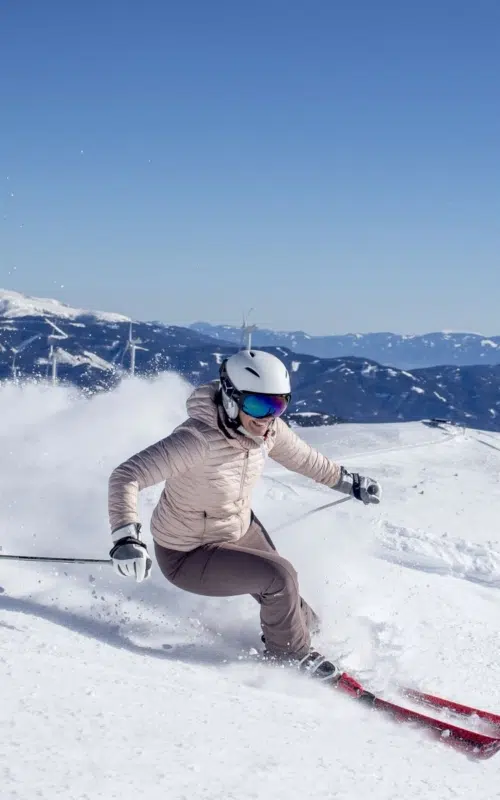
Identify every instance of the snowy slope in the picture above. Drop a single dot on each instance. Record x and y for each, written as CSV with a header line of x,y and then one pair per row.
x,y
113,690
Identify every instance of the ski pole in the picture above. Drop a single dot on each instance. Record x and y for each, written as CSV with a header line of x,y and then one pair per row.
x,y
312,511
58,560
108,560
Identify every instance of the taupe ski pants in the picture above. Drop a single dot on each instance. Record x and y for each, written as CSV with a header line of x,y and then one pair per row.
x,y
250,566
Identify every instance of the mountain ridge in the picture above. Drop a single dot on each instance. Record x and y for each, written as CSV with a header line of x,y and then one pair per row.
x,y
93,351
405,351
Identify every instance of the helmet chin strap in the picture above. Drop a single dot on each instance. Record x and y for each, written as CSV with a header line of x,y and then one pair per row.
x,y
254,436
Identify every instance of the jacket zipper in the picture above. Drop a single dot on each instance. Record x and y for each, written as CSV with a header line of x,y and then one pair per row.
x,y
242,483
244,473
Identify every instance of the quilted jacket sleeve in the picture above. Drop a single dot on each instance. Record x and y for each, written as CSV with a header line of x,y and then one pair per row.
x,y
295,454
169,457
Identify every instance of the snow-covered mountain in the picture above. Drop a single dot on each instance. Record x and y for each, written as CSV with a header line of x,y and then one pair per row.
x,y
93,352
395,350
116,690
92,348
14,305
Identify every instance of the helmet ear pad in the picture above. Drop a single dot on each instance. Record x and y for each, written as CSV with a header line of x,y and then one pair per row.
x,y
230,406
229,394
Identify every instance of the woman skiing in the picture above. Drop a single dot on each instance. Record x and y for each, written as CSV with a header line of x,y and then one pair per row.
x,y
206,538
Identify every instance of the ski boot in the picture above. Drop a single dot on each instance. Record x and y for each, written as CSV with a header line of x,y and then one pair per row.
x,y
313,664
320,668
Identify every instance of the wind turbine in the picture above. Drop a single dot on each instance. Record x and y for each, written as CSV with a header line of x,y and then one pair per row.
x,y
19,349
246,332
133,345
51,338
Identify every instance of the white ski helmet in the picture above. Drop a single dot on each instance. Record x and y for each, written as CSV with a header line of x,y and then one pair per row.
x,y
252,372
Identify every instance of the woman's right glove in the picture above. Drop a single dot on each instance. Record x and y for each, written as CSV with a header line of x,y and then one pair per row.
x,y
365,489
129,555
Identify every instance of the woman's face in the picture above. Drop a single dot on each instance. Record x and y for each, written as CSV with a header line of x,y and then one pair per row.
x,y
258,427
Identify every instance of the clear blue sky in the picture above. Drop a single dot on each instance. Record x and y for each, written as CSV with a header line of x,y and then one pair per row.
x,y
334,165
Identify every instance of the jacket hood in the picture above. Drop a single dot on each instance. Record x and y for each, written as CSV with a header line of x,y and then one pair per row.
x,y
201,404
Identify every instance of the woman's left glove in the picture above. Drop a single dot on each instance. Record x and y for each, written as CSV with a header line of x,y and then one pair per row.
x,y
365,489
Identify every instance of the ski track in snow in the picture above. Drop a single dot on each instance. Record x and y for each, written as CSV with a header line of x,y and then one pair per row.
x,y
429,552
117,690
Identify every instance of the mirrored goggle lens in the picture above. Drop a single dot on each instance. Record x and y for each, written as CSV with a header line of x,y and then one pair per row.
x,y
264,405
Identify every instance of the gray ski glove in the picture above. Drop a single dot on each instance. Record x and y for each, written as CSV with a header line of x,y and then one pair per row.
x,y
129,555
365,489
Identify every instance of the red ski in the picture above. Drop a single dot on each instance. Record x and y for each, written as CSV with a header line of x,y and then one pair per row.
x,y
479,745
433,701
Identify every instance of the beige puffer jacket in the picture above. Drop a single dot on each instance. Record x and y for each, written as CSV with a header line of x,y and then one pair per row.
x,y
209,473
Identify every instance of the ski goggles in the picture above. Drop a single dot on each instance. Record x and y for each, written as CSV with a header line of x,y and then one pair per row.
x,y
263,405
